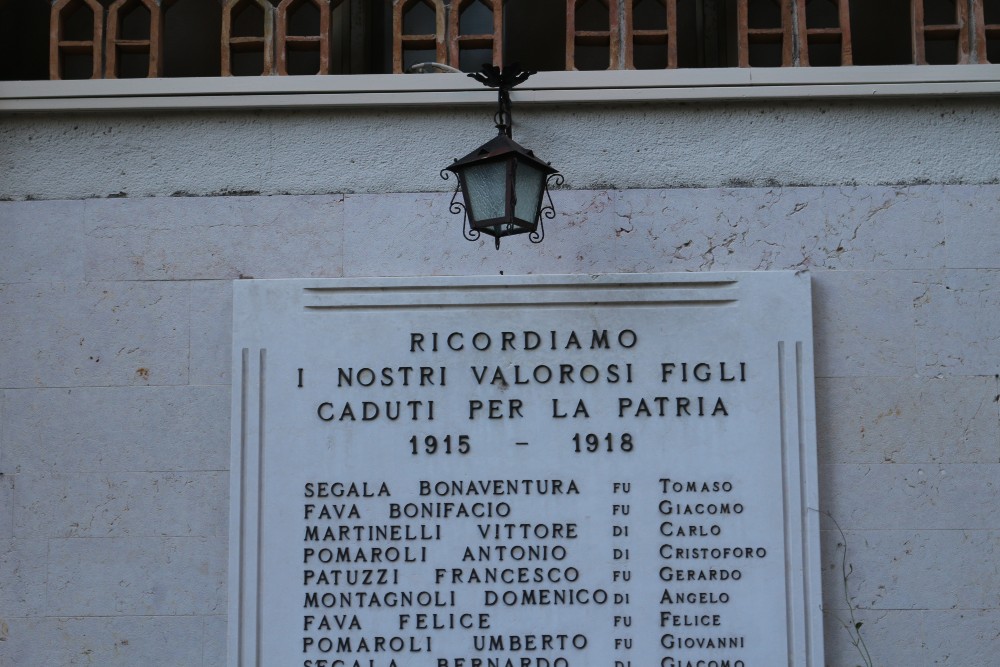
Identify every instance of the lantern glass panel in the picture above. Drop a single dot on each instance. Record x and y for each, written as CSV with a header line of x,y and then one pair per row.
x,y
528,189
486,185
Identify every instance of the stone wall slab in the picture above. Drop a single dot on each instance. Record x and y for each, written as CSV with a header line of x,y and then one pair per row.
x,y
186,504
137,576
23,573
211,332
908,420
165,641
946,570
71,335
934,496
116,429
39,241
191,238
958,326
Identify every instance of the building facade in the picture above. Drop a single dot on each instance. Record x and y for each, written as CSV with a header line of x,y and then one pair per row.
x,y
128,208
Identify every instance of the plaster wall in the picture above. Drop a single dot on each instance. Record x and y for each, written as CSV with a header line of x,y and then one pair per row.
x,y
848,142
115,331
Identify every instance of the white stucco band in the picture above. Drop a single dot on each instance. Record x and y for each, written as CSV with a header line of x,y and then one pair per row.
x,y
647,145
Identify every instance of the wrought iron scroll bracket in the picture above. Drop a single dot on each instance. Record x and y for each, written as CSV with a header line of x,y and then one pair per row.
x,y
455,207
548,211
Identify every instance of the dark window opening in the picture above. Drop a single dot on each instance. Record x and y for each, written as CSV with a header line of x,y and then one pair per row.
x,y
942,51
825,54
77,65
822,14
413,57
650,56
766,54
592,57
248,20
133,64
303,19
78,23
475,19
247,63
419,19
764,13
134,22
940,12
993,50
24,40
991,12
472,60
880,32
191,33
303,61
649,15
535,34
592,15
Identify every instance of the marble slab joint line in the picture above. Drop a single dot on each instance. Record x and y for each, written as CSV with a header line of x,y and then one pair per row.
x,y
241,575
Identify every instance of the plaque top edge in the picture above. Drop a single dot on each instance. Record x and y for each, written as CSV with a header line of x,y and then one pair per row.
x,y
686,280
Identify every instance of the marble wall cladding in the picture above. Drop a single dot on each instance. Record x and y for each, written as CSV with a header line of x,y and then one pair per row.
x,y
69,334
115,429
136,576
115,335
123,641
231,238
908,419
41,241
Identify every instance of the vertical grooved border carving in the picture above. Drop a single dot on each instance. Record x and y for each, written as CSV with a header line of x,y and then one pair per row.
x,y
797,513
247,482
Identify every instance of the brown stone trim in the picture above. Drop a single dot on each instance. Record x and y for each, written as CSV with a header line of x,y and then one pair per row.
x,y
610,37
59,46
402,43
922,32
983,32
667,38
320,42
152,46
264,44
456,40
746,36
841,34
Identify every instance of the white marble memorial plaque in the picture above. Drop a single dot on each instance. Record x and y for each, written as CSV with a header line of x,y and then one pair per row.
x,y
542,471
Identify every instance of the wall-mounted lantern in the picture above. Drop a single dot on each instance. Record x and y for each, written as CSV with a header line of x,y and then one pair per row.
x,y
504,187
